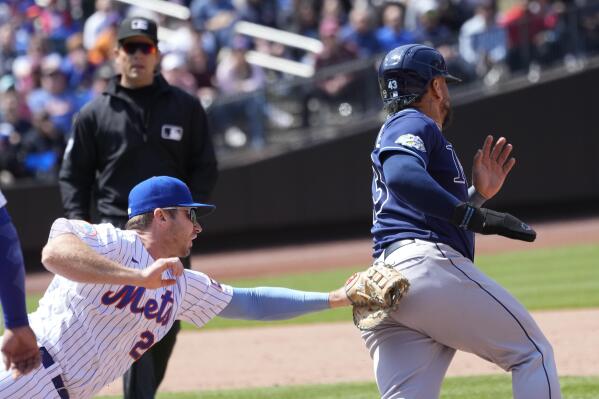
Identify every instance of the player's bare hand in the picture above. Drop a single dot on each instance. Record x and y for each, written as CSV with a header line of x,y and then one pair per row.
x,y
338,298
491,166
20,352
152,277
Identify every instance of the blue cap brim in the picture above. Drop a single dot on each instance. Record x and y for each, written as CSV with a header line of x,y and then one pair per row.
x,y
452,79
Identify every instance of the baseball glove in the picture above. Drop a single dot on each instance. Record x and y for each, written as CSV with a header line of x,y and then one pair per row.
x,y
375,293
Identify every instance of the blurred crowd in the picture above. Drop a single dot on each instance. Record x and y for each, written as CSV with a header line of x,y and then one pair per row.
x,y
55,55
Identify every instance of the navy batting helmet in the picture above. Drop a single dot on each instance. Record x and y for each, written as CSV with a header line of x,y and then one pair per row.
x,y
406,70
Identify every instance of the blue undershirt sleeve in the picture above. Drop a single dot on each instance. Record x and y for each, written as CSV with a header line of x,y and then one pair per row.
x,y
270,303
12,274
408,179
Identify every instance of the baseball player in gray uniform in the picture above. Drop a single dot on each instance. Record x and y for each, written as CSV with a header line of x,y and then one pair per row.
x,y
424,220
117,292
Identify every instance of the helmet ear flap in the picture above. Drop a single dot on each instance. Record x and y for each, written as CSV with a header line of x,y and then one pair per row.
x,y
403,87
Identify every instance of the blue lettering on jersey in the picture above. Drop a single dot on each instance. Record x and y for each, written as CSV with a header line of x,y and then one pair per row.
x,y
132,296
414,133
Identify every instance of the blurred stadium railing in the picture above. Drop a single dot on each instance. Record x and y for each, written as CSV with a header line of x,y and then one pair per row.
x,y
296,112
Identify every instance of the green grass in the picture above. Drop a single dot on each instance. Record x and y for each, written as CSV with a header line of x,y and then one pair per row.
x,y
550,278
541,279
485,387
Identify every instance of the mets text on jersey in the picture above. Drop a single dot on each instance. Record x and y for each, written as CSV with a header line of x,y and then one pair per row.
x,y
129,295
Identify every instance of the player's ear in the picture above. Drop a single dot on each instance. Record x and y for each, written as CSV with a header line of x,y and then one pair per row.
x,y
160,215
436,87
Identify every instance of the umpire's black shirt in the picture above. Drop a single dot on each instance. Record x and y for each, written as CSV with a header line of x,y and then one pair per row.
x,y
125,136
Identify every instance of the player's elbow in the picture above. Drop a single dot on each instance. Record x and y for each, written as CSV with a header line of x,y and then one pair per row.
x,y
51,255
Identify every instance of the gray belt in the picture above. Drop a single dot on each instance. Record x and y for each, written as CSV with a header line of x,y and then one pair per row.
x,y
396,245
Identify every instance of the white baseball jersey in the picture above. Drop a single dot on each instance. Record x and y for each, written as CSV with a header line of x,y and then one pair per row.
x,y
2,199
96,331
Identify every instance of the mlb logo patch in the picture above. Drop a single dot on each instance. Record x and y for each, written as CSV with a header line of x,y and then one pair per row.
x,y
139,24
84,229
172,132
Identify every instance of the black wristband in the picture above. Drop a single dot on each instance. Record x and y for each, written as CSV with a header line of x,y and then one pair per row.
x,y
465,215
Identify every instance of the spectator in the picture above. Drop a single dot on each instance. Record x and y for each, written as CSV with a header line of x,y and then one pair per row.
x,y
453,13
216,16
330,88
202,69
76,64
54,96
335,10
526,24
305,18
241,84
54,22
13,127
101,51
360,33
415,9
393,34
432,32
482,42
174,69
8,51
262,12
42,148
102,76
181,39
37,48
589,25
26,77
101,19
304,21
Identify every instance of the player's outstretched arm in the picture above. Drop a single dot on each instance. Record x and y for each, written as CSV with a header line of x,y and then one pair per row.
x,y
491,165
68,256
274,303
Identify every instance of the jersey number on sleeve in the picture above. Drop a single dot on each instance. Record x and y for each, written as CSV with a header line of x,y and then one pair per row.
x,y
379,194
461,177
147,340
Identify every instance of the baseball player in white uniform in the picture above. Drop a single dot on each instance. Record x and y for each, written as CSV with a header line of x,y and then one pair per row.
x,y
117,292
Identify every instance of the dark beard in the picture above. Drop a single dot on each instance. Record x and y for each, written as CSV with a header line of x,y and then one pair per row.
x,y
448,117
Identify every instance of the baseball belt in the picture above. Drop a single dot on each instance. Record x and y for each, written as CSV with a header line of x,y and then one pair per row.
x,y
396,245
47,361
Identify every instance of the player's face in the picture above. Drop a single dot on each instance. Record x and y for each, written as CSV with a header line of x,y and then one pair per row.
x,y
446,109
184,228
137,58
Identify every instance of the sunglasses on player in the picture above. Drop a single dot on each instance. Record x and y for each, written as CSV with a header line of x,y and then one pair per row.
x,y
132,47
191,214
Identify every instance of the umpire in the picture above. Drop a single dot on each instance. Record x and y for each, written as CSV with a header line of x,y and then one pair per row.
x,y
138,128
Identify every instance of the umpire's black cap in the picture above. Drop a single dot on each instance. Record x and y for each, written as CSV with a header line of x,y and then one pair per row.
x,y
138,26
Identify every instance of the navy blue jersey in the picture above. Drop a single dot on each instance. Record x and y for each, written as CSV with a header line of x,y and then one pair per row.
x,y
411,132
